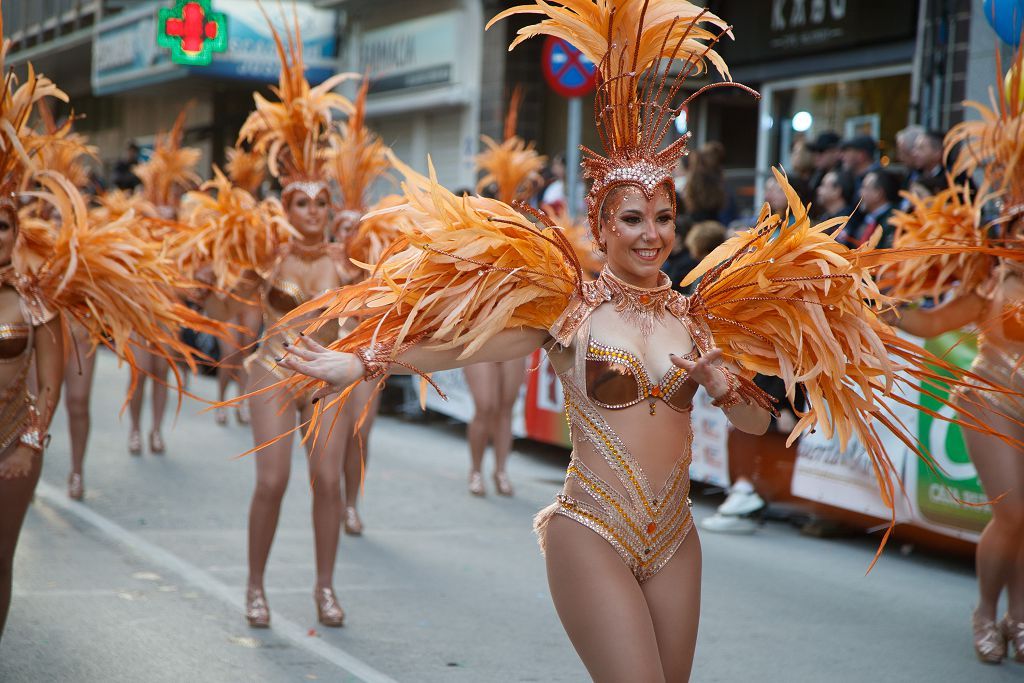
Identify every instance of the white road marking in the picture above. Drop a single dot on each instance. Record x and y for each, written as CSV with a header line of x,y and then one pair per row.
x,y
190,574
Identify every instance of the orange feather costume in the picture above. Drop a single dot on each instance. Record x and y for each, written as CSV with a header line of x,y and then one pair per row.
x,y
781,299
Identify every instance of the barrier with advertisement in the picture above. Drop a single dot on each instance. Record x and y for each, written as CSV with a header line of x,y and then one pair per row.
x,y
822,473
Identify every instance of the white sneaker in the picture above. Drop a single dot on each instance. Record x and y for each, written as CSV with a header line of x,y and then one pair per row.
x,y
727,524
742,500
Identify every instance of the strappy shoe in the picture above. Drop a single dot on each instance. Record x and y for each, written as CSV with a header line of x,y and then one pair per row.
x,y
256,609
502,485
1013,632
353,524
989,640
328,611
76,489
476,484
220,415
134,442
156,443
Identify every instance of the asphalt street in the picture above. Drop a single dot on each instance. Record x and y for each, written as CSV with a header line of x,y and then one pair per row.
x,y
144,580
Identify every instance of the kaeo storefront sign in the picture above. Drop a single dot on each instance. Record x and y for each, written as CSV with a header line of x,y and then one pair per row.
x,y
126,54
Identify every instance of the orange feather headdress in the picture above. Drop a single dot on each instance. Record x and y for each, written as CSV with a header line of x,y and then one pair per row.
x,y
995,142
170,165
293,132
246,170
357,157
512,165
634,44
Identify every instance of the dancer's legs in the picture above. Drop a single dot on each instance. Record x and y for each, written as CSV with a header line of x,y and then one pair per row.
x,y
511,376
15,495
602,607
673,596
77,393
358,441
144,360
1001,471
161,369
483,382
325,463
273,466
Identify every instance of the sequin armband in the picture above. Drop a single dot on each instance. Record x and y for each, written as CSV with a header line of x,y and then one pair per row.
x,y
743,390
378,358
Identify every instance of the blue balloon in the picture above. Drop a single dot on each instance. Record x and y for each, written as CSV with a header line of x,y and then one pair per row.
x,y
1006,18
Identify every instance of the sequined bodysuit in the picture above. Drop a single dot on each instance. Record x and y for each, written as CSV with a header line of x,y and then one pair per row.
x,y
15,400
1000,356
609,393
278,296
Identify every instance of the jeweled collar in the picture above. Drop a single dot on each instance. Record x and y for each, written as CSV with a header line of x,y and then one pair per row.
x,y
641,306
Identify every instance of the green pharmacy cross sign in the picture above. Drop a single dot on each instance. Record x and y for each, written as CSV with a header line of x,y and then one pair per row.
x,y
192,32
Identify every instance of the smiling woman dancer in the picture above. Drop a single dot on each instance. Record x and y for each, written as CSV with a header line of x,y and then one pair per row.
x,y
513,168
988,295
475,281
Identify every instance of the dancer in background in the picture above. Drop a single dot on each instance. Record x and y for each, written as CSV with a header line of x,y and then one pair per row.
x,y
56,268
168,172
988,295
513,168
280,254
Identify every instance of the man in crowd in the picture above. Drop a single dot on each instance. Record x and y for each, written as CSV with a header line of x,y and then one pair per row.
x,y
879,193
124,178
859,157
827,156
928,154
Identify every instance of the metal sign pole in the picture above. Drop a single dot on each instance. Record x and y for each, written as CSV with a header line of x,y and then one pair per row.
x,y
573,195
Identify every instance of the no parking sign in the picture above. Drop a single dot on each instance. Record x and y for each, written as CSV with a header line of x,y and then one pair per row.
x,y
566,69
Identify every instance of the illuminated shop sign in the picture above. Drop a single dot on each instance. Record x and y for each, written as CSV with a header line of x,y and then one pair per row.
x,y
192,32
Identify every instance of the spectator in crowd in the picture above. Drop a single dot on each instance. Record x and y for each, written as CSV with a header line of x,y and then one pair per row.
x,y
703,238
704,194
835,195
906,142
827,156
922,188
124,178
928,155
714,154
750,463
879,194
859,157
553,200
801,161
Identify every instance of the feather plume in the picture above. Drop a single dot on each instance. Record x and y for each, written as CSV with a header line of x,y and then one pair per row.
x,y
513,165
951,218
246,170
356,158
378,230
785,299
291,132
233,231
170,165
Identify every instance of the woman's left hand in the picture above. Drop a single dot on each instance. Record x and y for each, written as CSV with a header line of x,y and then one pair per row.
x,y
704,371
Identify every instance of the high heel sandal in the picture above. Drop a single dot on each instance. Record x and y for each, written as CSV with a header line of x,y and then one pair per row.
x,y
476,484
1013,632
220,415
242,413
76,489
156,443
328,611
989,640
134,442
256,609
353,525
502,485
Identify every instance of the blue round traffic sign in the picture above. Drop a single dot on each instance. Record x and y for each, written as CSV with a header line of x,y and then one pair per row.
x,y
566,69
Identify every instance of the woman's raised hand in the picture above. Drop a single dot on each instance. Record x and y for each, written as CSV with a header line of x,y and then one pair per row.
x,y
309,358
704,371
